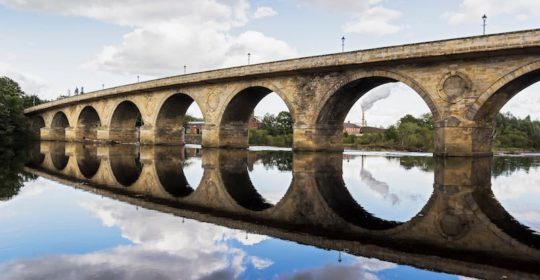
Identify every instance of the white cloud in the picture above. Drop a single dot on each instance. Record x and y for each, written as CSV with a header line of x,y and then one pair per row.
x,y
472,10
162,247
168,35
261,47
264,11
366,18
340,5
360,268
30,84
259,263
525,103
374,21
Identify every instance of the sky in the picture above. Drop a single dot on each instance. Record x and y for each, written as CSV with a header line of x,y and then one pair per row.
x,y
53,46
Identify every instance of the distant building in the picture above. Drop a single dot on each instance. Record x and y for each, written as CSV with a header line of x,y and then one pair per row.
x,y
254,122
371,129
194,127
354,129
351,128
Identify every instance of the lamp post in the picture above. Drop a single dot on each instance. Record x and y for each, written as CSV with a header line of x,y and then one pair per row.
x,y
249,58
138,78
343,44
185,69
484,17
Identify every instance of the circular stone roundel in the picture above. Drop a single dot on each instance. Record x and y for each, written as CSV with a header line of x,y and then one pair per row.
x,y
454,86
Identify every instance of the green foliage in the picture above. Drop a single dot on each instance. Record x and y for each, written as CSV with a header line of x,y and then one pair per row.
x,y
274,131
278,125
505,166
13,123
261,137
417,134
31,100
280,159
426,164
513,132
190,118
410,133
12,175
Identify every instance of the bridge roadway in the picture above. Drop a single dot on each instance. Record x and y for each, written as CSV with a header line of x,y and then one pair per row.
x,y
461,230
464,82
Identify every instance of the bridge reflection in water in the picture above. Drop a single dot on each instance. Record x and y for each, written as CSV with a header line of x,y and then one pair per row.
x,y
462,229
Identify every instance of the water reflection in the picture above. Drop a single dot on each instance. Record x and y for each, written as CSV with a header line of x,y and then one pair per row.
x,y
88,161
377,183
444,215
516,185
270,172
126,165
170,163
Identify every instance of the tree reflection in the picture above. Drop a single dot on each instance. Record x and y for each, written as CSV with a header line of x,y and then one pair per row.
x,y
12,174
282,160
505,166
426,164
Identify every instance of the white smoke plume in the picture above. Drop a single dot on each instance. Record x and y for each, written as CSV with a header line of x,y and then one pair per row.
x,y
375,95
378,186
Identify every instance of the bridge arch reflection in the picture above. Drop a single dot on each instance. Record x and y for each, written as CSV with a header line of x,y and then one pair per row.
x,y
169,167
58,156
234,166
88,161
462,223
125,164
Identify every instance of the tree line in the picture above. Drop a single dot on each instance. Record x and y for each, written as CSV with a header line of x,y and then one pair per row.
x,y
510,133
409,133
14,127
273,131
15,136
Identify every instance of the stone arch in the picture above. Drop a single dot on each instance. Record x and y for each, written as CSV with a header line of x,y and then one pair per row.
x,y
58,126
125,122
491,101
88,123
234,119
36,124
349,90
168,122
326,132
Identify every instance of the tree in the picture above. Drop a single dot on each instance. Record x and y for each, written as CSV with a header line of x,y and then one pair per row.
x,y
269,124
13,123
31,100
284,123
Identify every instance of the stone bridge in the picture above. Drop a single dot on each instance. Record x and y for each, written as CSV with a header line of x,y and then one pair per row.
x,y
464,82
462,229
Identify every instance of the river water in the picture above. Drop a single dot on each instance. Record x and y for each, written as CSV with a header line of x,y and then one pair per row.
x,y
77,211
